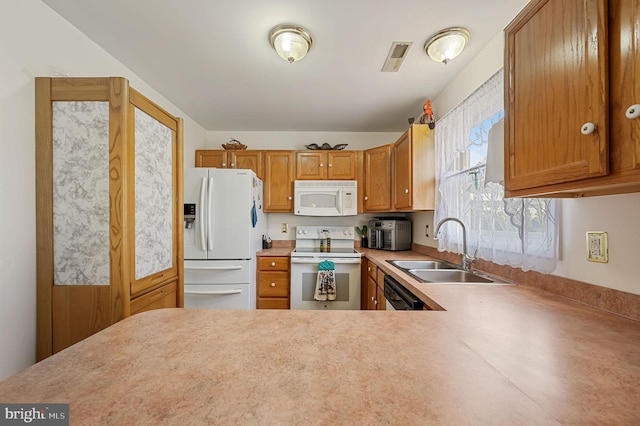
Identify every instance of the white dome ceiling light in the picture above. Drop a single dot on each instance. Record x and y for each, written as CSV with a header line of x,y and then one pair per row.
x,y
291,42
445,45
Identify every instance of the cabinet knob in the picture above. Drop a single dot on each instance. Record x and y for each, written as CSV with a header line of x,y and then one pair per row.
x,y
289,198
366,198
330,165
373,298
233,165
406,190
633,111
369,269
224,164
588,128
273,263
375,302
321,165
273,284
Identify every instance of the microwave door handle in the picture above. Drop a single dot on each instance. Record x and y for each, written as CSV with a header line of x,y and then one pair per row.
x,y
340,201
202,215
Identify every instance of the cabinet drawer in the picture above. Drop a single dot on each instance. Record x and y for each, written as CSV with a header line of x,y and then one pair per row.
x,y
273,284
163,297
273,263
273,303
372,270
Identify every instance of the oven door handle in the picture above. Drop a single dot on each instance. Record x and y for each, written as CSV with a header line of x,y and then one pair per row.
x,y
318,260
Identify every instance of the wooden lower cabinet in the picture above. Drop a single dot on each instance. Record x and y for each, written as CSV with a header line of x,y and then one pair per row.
x,y
163,297
273,282
372,287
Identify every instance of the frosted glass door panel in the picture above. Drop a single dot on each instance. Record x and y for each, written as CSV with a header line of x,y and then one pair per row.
x,y
154,195
81,193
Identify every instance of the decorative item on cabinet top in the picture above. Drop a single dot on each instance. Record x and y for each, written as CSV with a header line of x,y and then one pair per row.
x,y
234,145
326,147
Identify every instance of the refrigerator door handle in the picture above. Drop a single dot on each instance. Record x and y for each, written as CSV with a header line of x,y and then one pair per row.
x,y
209,215
202,215
213,268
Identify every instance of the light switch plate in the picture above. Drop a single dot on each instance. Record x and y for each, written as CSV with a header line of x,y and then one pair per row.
x,y
597,248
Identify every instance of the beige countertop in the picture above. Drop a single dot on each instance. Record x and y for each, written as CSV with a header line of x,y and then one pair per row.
x,y
506,355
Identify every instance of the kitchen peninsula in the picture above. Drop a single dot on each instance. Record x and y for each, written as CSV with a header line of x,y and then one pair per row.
x,y
497,355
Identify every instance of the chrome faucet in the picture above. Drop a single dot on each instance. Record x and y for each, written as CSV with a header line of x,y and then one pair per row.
x,y
466,259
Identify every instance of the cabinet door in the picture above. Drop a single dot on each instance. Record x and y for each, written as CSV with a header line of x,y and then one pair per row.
x,y
624,47
556,82
211,158
279,173
341,165
247,160
372,300
377,185
153,211
311,165
402,172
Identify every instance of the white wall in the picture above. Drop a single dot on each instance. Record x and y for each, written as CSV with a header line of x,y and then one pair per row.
x,y
617,215
35,41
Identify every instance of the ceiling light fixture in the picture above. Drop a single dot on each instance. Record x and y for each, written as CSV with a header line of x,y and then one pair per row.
x,y
291,42
445,45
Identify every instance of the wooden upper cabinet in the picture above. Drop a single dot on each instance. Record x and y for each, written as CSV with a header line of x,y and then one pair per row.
x,y
279,177
341,165
247,160
311,165
569,63
377,181
241,159
624,72
334,165
414,170
211,158
402,189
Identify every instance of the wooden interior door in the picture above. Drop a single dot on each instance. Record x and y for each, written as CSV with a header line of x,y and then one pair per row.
x,y
556,82
153,187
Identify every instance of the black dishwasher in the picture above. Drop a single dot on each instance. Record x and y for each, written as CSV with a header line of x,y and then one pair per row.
x,y
399,297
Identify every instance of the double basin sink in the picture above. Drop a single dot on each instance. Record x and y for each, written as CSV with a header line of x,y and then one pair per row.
x,y
435,271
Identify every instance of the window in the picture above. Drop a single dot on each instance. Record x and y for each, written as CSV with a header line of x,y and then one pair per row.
x,y
520,232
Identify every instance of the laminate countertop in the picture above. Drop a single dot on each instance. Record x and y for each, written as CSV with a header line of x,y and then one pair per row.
x,y
497,355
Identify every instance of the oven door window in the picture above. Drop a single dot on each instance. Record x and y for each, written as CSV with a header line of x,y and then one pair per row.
x,y
309,286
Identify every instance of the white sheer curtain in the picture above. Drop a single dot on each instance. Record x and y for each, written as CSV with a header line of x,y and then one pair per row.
x,y
520,232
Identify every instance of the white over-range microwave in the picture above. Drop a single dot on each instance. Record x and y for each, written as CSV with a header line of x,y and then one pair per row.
x,y
325,198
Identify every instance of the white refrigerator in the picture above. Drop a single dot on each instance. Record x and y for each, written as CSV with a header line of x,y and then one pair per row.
x,y
224,224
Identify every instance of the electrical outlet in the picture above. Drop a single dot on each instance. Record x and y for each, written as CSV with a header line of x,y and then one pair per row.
x,y
597,247
285,228
426,231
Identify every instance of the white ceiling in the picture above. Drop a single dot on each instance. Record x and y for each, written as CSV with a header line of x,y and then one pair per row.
x,y
212,58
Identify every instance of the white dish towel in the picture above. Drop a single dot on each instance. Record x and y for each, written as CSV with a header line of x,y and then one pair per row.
x,y
326,281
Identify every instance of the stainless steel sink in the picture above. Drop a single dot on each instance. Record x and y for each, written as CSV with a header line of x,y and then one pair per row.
x,y
450,276
422,264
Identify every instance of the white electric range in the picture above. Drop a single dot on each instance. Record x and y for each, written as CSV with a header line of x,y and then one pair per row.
x,y
311,249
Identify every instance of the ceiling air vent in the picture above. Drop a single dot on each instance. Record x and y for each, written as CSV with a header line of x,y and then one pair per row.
x,y
397,53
